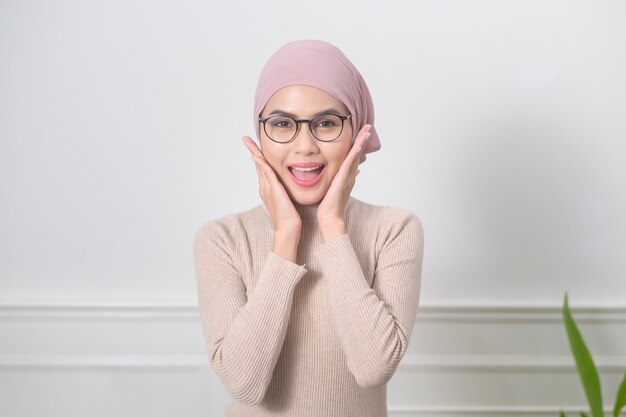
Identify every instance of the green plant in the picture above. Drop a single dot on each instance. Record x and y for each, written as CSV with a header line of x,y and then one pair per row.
x,y
587,369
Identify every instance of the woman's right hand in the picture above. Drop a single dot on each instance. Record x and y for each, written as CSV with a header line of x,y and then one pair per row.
x,y
285,218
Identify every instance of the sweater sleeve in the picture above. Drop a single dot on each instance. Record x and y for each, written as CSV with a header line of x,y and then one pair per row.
x,y
244,333
374,324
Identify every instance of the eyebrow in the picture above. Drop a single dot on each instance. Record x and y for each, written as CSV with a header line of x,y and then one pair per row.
x,y
286,113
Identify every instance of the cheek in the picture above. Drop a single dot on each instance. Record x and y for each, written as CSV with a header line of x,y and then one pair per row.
x,y
347,146
337,155
348,132
272,153
348,143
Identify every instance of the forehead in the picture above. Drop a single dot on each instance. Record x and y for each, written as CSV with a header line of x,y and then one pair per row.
x,y
303,100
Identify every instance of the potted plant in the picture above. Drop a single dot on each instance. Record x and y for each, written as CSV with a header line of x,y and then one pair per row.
x,y
587,369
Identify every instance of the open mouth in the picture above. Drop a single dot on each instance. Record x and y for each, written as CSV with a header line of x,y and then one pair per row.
x,y
306,176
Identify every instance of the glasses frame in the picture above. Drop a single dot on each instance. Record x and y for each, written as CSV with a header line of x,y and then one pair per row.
x,y
308,122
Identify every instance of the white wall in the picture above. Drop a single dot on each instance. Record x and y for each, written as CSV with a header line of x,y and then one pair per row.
x,y
502,126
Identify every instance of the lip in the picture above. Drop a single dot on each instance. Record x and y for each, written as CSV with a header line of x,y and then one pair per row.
x,y
309,183
305,164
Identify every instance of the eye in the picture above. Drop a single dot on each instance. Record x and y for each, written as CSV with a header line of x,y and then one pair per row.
x,y
327,121
281,122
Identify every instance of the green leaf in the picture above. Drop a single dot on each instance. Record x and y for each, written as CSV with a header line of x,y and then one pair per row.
x,y
620,398
584,362
562,414
583,414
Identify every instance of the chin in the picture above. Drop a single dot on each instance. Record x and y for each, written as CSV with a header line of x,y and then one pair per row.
x,y
307,198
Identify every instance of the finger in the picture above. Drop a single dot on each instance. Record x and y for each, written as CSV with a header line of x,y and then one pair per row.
x,y
267,170
263,183
257,153
364,135
261,165
354,156
361,140
252,146
361,148
353,169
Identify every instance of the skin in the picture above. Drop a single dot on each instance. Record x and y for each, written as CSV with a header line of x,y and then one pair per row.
x,y
276,188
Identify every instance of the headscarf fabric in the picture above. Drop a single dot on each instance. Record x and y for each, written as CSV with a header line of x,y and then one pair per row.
x,y
322,65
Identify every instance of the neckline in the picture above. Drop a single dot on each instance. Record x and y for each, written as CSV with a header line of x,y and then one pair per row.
x,y
307,212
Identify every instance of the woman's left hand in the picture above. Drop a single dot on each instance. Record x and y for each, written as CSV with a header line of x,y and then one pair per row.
x,y
331,210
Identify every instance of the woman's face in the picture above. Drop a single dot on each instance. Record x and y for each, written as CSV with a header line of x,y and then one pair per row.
x,y
305,102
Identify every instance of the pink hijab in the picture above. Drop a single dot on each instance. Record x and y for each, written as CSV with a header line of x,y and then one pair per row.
x,y
322,65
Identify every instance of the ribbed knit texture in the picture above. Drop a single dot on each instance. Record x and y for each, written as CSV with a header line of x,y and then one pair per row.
x,y
316,338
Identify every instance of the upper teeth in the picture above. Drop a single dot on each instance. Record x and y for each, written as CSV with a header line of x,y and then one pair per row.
x,y
306,169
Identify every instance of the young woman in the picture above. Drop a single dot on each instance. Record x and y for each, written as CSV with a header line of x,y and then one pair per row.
x,y
308,300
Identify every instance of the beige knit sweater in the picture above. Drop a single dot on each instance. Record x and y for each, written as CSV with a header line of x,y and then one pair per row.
x,y
316,338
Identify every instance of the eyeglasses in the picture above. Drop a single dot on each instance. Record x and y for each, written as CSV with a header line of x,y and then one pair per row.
x,y
283,129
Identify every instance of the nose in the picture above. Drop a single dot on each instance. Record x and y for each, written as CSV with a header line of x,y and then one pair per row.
x,y
304,142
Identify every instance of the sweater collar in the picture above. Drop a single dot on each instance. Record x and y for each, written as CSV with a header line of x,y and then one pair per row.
x,y
307,212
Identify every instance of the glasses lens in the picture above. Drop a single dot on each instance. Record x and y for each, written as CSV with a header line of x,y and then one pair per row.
x,y
280,128
327,127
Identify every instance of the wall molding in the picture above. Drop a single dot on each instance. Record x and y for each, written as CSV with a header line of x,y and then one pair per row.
x,y
504,363
491,346
28,308
410,363
25,309
492,410
103,362
63,311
